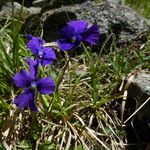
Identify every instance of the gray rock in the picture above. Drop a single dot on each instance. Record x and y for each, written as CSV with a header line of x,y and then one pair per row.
x,y
116,1
6,10
26,3
139,90
39,3
2,2
55,3
111,17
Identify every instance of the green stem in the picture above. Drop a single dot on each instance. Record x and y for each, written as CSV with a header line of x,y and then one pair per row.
x,y
93,70
61,74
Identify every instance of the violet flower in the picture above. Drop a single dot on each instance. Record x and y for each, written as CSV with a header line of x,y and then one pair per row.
x,y
75,32
45,55
30,84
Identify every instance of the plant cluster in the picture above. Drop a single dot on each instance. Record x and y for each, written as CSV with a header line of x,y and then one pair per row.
x,y
72,35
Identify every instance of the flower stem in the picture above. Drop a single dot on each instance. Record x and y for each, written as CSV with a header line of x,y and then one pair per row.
x,y
62,72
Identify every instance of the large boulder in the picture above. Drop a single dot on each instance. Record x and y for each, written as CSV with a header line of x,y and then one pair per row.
x,y
2,2
49,3
6,10
56,3
111,16
123,21
139,91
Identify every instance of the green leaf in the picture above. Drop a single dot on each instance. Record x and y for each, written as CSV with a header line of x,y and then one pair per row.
x,y
47,145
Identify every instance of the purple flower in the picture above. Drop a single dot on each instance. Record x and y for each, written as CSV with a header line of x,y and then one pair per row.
x,y
30,84
75,32
45,55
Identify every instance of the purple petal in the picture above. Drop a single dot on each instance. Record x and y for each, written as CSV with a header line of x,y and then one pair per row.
x,y
48,56
27,98
33,65
49,53
91,35
35,45
46,61
29,36
46,85
32,105
77,42
64,44
78,25
67,32
22,79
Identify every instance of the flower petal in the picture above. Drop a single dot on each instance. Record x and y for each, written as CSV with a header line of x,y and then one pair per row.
x,y
49,53
27,98
45,62
22,79
48,56
46,85
67,32
32,105
78,25
64,44
29,36
35,44
33,65
91,35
